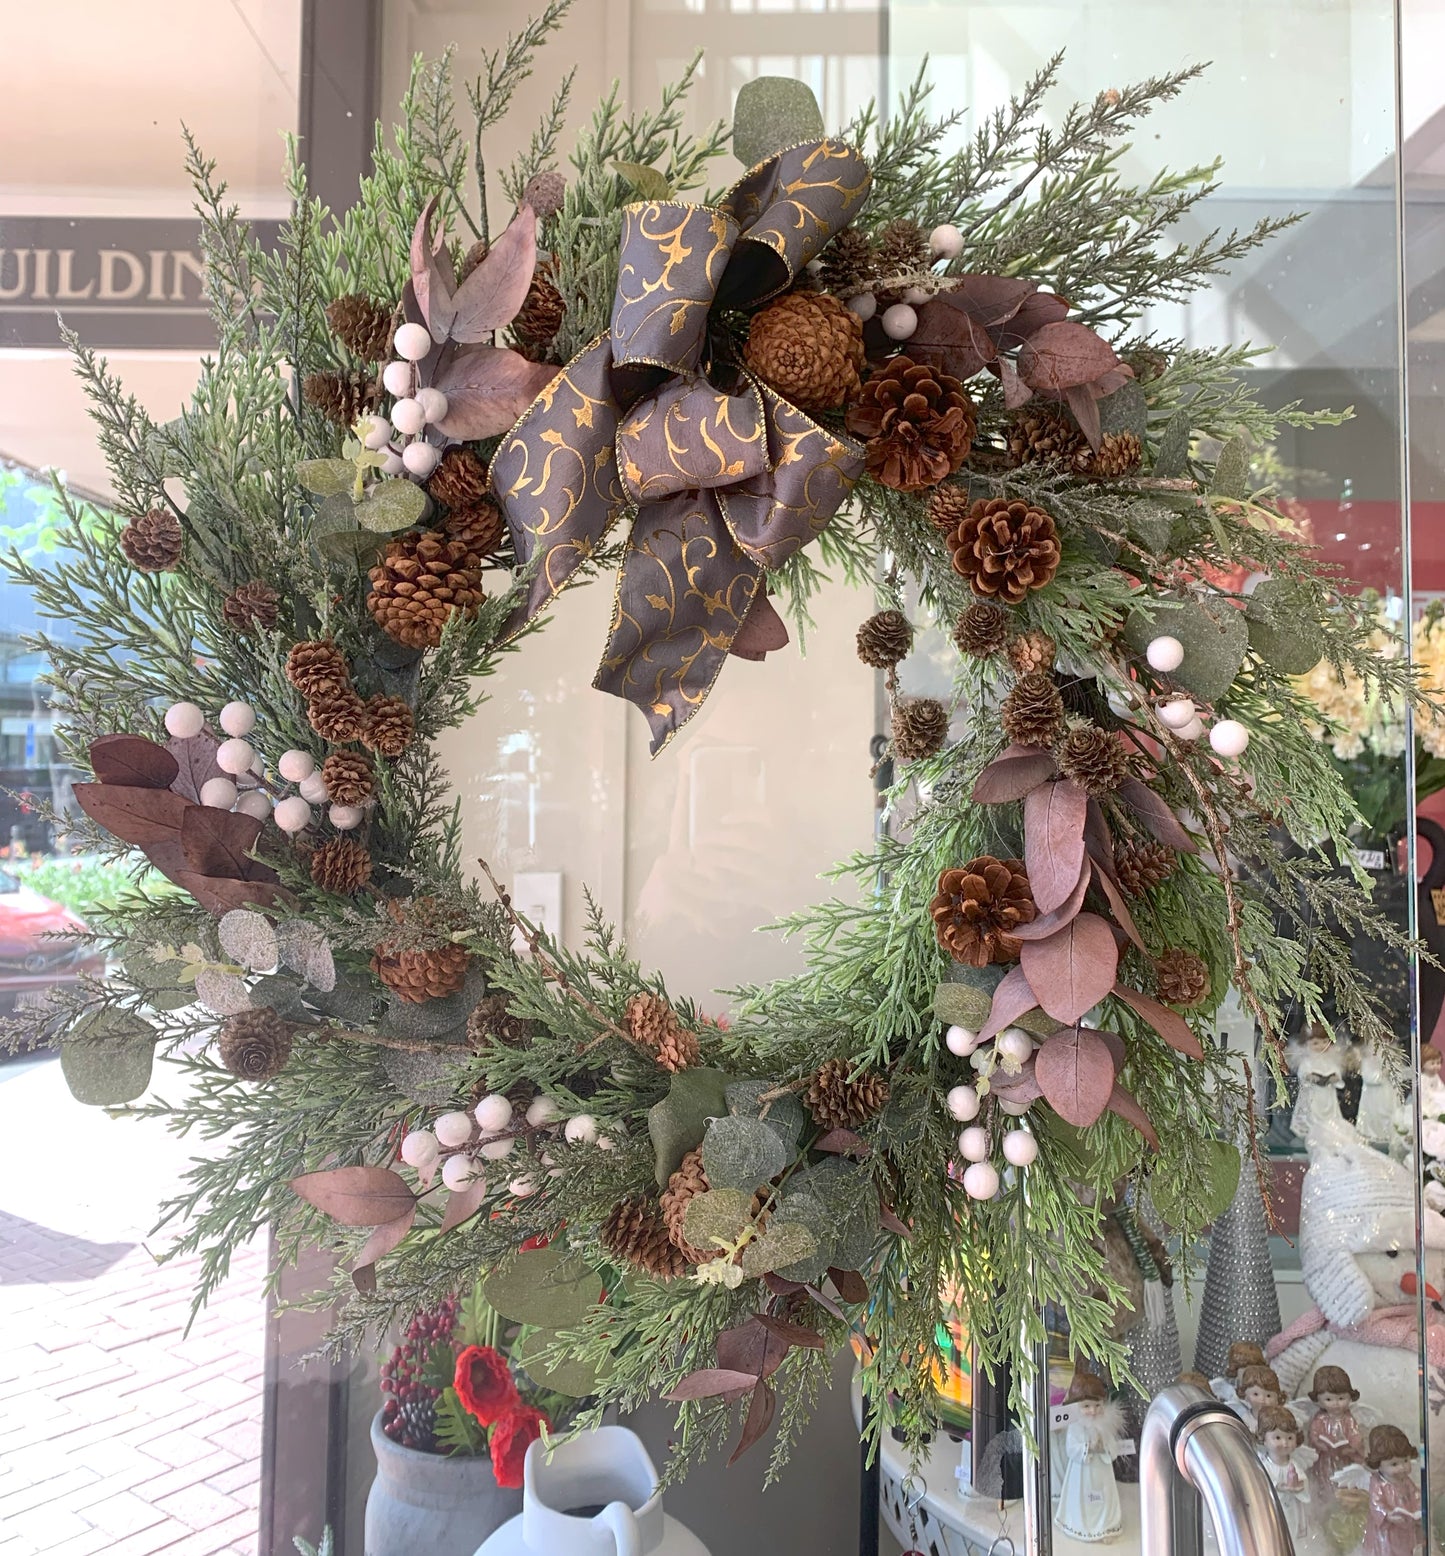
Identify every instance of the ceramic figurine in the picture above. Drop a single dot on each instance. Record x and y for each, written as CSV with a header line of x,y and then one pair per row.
x,y
1321,1079
1288,1466
1335,1433
1376,1119
1392,1471
1089,1507
1242,1354
1258,1390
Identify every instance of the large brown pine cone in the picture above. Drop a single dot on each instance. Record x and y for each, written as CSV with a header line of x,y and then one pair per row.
x,y
1030,652
948,506
682,1188
459,480
978,907
362,325
252,607
348,777
1183,978
153,541
339,716
540,316
981,630
918,422
342,865
1143,866
1005,547
1094,759
837,1102
317,668
340,397
809,348
492,1022
1041,435
635,1233
477,526
421,580
847,264
390,724
1119,454
884,640
419,975
920,728
1033,712
255,1044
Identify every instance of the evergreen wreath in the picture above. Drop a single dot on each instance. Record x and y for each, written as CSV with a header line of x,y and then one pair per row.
x,y
336,548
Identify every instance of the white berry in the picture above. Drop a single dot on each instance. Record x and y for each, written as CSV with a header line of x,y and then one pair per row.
x,y
606,1143
218,793
375,432
412,341
254,802
1229,737
498,1150
1020,1149
313,788
460,1172
293,814
453,1129
493,1113
962,1102
916,295
408,417
865,305
960,1041
238,718
345,817
1165,654
396,377
1015,1044
973,1144
421,459
522,1188
393,464
899,321
235,756
581,1130
184,720
1193,729
1013,1109
946,241
981,1181
433,404
295,766
420,1148
542,1111
1177,712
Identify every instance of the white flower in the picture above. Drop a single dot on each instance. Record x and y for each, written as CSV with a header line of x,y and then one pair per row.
x,y
1432,1137
719,1272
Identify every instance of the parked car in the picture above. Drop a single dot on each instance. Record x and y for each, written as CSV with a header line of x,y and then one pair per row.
x,y
32,957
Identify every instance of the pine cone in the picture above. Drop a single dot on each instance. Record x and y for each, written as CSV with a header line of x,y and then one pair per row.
x,y
419,975
920,728
918,421
153,541
1094,759
317,668
678,1050
459,480
540,316
545,193
421,580
253,607
1033,712
348,778
982,630
362,326
901,246
492,1022
682,1187
340,397
1031,652
847,264
978,907
1005,548
472,258
1040,435
1143,866
390,725
884,639
255,1044
948,507
342,865
338,716
836,1102
654,1027
1148,362
809,348
1183,978
1118,454
635,1233
478,527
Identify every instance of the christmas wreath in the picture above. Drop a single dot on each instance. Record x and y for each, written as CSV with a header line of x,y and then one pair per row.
x,y
916,365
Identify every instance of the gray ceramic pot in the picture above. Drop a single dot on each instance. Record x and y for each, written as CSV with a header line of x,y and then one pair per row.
x,y
427,1502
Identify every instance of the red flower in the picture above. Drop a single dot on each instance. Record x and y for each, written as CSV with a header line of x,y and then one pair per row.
x,y
511,1437
484,1385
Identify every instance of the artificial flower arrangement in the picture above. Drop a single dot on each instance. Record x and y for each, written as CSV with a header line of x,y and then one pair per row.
x,y
918,366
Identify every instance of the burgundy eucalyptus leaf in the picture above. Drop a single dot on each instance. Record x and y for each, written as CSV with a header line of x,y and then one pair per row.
x,y
1169,1024
826,1302
1151,809
196,764
1098,840
1050,923
429,281
849,1285
1075,1072
218,894
135,815
1013,774
751,1348
381,1242
1073,970
948,336
1011,999
763,631
780,1287
487,389
1037,310
1116,1047
489,298
758,1419
132,760
463,1204
888,1219
794,1334
1063,354
1122,1103
1054,841
708,1383
843,1142
1020,1089
1110,888
990,300
1015,391
219,842
1084,403
357,1196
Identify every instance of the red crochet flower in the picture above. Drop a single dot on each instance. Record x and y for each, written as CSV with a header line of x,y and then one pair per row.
x,y
484,1385
511,1437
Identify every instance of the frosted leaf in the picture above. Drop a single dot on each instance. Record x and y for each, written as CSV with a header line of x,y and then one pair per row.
x,y
248,938
221,992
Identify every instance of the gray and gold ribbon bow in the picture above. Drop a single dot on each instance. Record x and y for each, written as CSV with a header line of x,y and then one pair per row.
x,y
725,486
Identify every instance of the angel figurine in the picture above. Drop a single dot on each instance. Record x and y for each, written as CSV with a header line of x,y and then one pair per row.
x,y
1242,1354
1288,1466
1089,1507
1258,1390
1391,1474
1336,1425
1379,1106
1321,1079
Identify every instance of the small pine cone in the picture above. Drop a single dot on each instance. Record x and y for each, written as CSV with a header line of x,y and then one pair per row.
x,y
884,640
1183,978
478,527
1148,362
545,193
421,580
920,728
317,668
678,1050
348,777
948,507
1094,759
809,347
648,1018
1119,454
682,1187
540,317
847,263
253,607
342,865
1031,652
982,630
1142,866
362,325
472,258
836,1102
459,480
420,975
1039,436
1006,548
255,1044
153,542
1033,712
340,397
338,716
492,1022
390,725
635,1233
901,246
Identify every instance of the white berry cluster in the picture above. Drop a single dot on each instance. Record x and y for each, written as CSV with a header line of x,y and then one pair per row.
x,y
240,784
402,436
293,814
1008,1052
1180,714
901,319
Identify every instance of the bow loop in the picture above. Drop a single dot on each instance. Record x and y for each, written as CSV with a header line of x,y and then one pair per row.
x,y
691,435
671,261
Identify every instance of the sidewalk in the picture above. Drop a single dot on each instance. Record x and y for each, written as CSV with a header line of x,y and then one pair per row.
x,y
116,1434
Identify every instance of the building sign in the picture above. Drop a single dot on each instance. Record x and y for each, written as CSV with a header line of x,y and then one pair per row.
x,y
116,281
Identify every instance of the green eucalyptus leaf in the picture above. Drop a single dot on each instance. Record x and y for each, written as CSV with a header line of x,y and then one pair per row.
x,y
784,1115
960,1005
332,516
649,182
783,1243
106,1057
359,547
676,1124
1215,639
741,1153
773,113
1151,524
392,505
567,1375
1281,632
1172,458
807,1210
161,981
1206,1182
326,477
549,1287
1231,470
716,1216
1126,410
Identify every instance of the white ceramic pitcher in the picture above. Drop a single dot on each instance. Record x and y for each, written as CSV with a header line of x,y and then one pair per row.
x,y
595,1495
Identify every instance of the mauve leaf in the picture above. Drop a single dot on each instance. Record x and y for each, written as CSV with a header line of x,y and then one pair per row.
x,y
1074,969
219,894
753,1348
463,1204
781,1287
708,1383
1015,391
850,1285
139,816
1021,1089
1013,998
378,1245
1084,403
842,1142
794,1334
759,1418
218,842
1169,1024
1098,840
1110,889
1054,841
990,300
1075,1072
132,760
433,295
196,764
489,298
947,336
888,1219
1051,922
487,389
828,1304
1037,310
763,631
1063,354
1150,808
356,1196
1122,1103
1013,774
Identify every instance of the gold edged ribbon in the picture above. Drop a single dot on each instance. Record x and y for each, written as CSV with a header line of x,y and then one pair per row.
x,y
725,487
